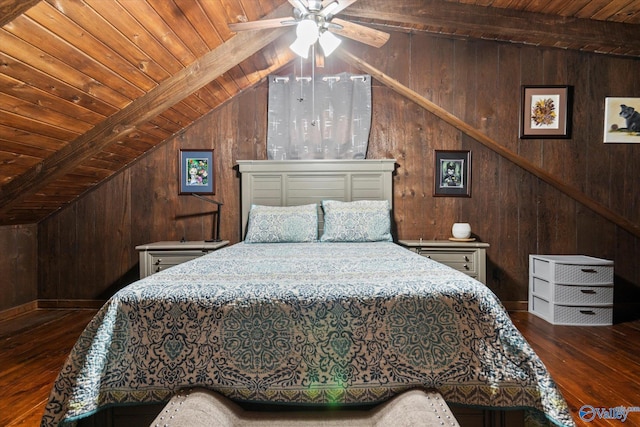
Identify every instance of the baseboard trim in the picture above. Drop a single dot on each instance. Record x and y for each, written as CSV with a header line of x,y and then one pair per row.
x,y
516,305
51,304
18,310
70,303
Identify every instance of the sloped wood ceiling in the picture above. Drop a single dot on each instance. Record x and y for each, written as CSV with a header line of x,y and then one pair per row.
x,y
88,86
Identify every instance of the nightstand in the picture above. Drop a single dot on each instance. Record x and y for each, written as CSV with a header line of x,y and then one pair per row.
x,y
159,256
468,257
571,289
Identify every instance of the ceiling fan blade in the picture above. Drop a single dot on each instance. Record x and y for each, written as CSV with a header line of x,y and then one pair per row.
x,y
262,24
299,5
360,33
341,3
333,7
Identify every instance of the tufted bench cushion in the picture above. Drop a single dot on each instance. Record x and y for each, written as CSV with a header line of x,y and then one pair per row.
x,y
201,407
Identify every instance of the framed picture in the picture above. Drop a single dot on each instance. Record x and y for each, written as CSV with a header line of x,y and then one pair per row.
x,y
452,173
196,172
622,120
545,112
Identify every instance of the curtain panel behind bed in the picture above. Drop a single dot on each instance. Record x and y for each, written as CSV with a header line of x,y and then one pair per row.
x,y
328,117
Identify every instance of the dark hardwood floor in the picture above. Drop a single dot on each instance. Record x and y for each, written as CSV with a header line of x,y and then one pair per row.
x,y
597,366
33,347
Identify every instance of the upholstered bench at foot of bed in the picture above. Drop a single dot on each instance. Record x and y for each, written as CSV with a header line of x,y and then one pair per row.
x,y
200,407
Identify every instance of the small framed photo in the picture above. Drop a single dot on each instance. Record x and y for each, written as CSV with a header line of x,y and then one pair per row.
x,y
452,173
545,112
622,120
196,172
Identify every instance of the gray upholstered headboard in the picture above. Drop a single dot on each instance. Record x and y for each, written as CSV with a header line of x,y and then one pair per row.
x,y
299,182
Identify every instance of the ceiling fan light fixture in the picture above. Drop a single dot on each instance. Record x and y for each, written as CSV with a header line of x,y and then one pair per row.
x,y
312,18
307,31
300,48
329,42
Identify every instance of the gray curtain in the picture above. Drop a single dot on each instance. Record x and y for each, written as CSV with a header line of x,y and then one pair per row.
x,y
326,119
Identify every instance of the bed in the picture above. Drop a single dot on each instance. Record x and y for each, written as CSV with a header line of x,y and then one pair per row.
x,y
349,318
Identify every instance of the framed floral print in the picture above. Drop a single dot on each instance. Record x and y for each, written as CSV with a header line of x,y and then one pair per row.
x,y
452,173
196,172
545,112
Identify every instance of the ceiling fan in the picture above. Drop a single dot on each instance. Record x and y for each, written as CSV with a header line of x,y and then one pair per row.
x,y
315,21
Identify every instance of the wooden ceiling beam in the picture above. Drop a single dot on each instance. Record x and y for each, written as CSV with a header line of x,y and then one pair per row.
x,y
493,23
10,9
168,93
488,142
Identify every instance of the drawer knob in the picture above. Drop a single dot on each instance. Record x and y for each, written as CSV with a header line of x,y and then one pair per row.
x,y
587,312
466,267
587,291
158,269
589,270
158,261
466,258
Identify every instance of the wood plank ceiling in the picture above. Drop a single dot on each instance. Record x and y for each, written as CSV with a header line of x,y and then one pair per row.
x,y
88,86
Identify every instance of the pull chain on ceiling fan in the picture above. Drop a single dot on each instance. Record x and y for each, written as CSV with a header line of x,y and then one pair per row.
x,y
315,21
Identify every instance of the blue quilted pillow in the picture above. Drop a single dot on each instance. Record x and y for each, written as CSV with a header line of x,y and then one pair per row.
x,y
358,221
282,224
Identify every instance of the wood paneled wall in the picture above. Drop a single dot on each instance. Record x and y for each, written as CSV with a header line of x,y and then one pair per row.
x,y
86,250
18,277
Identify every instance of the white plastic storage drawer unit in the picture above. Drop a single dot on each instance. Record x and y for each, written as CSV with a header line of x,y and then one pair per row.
x,y
571,289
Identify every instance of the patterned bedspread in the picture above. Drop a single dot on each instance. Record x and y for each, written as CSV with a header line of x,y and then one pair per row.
x,y
305,323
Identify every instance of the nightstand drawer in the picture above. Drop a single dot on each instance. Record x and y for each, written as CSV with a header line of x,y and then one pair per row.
x,y
162,261
159,256
468,257
464,260
159,268
168,259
